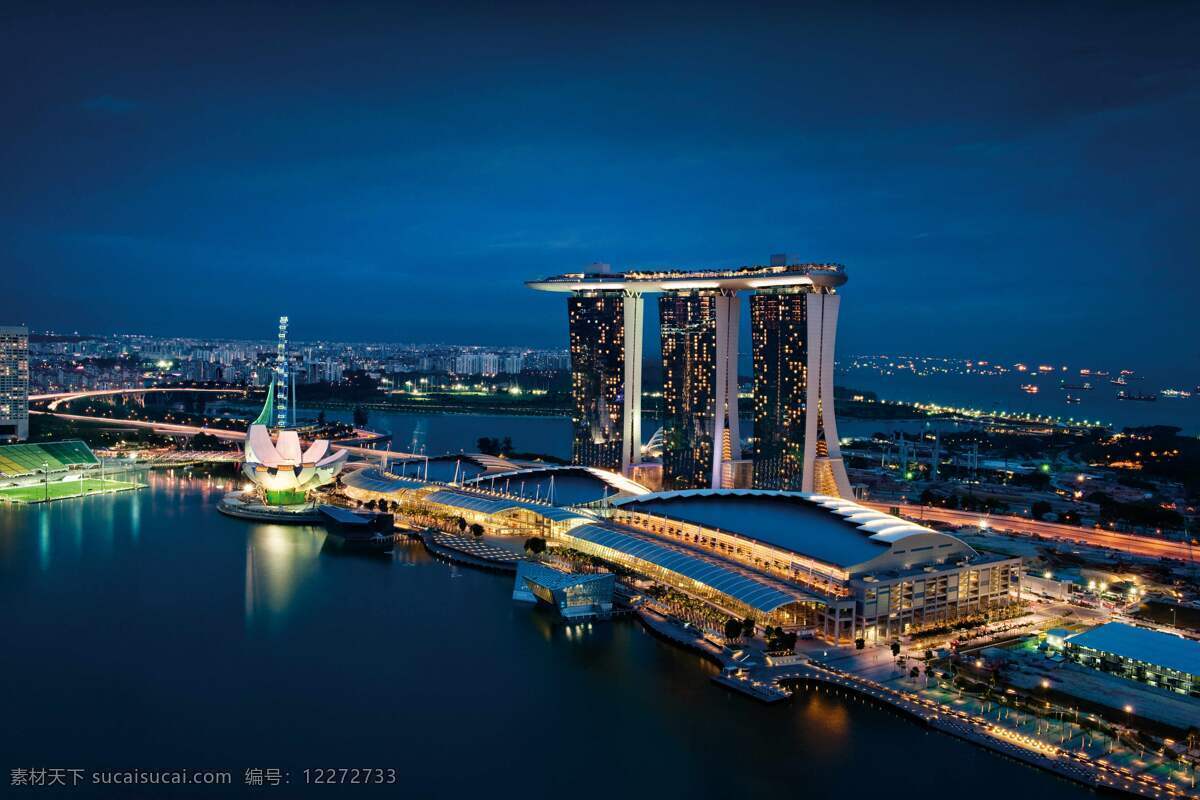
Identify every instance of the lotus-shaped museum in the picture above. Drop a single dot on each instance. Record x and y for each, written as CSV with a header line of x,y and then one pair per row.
x,y
280,468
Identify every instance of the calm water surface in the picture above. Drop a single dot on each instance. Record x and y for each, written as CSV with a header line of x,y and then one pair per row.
x,y
145,630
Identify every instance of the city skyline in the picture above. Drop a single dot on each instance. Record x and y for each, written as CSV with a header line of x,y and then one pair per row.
x,y
816,384
1044,172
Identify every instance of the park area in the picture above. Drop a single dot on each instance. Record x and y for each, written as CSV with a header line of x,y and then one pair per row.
x,y
61,490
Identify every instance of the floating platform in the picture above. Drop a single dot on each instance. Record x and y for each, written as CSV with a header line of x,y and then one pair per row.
x,y
249,507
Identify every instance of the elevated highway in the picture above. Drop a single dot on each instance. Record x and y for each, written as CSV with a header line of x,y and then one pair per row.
x,y
1134,544
178,429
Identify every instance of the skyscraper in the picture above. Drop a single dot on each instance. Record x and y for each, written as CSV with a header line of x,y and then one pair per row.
x,y
688,324
794,312
699,352
606,369
14,383
779,345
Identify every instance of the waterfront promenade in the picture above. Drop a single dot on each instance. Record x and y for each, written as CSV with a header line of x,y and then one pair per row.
x,y
1097,762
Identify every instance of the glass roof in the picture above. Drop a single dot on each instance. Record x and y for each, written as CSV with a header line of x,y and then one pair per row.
x,y
754,593
496,505
1141,644
788,521
373,479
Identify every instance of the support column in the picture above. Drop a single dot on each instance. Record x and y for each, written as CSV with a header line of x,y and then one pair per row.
x,y
631,432
725,399
824,471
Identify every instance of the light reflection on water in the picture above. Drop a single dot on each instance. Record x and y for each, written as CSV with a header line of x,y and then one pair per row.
x,y
238,644
278,559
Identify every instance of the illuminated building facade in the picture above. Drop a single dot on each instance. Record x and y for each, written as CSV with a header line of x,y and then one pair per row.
x,y
14,383
794,310
574,595
830,566
606,362
700,413
779,345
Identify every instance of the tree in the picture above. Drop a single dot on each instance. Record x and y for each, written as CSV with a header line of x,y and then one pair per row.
x,y
859,644
360,417
535,545
914,672
1039,509
733,629
476,529
895,649
461,524
321,417
207,442
748,627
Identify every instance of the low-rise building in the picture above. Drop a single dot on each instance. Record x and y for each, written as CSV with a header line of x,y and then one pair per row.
x,y
1160,659
574,595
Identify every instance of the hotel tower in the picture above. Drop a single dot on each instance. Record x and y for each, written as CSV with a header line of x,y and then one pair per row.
x,y
793,322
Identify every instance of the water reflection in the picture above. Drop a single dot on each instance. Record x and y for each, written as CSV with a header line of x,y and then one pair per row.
x,y
278,560
44,537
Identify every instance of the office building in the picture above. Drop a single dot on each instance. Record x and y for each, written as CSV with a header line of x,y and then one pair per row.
x,y
14,383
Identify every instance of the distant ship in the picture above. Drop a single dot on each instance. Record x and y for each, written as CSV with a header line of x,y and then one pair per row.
x,y
1072,400
1182,394
1029,388
1083,387
1148,398
1119,381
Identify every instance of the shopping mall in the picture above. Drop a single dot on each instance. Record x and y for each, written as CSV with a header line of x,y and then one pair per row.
x,y
800,560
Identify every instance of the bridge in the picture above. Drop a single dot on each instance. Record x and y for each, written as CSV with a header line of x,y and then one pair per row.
x,y
57,398
179,429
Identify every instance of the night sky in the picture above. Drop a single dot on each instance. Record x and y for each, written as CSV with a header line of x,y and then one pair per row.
x,y
1013,181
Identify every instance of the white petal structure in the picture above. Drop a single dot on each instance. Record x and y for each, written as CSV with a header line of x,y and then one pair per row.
x,y
288,447
281,465
316,451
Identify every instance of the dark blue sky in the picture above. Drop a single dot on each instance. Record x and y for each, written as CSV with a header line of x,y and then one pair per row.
x,y
1014,180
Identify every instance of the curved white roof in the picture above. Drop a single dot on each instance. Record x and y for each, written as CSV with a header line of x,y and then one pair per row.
x,y
614,479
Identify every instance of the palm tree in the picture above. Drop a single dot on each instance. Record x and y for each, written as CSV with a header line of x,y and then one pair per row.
x,y
461,524
476,530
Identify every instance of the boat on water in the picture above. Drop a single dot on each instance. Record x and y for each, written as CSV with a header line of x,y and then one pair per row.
x,y
358,530
1072,400
1181,394
1147,398
1078,387
1029,388
1119,381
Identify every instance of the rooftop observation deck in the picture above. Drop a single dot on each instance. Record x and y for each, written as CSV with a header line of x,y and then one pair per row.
x,y
736,278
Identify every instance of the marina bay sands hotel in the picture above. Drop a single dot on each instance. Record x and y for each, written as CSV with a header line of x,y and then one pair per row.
x,y
793,324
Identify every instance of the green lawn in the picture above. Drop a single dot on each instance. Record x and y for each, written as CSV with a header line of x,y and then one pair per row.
x,y
58,490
